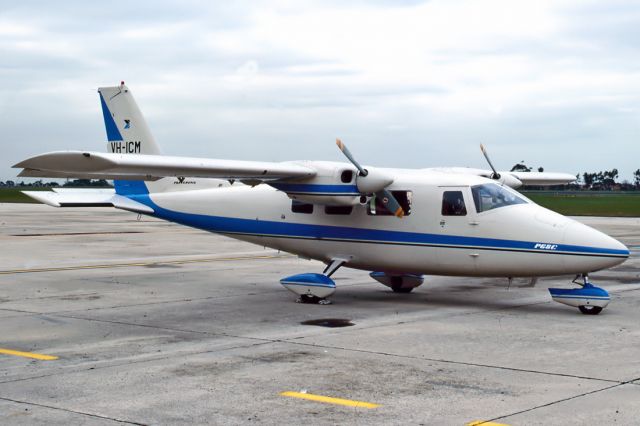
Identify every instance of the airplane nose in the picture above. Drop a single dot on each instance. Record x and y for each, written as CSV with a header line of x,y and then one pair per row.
x,y
593,249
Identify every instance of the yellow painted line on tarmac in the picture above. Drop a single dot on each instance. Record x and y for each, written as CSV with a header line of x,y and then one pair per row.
x,y
483,423
41,357
330,400
126,265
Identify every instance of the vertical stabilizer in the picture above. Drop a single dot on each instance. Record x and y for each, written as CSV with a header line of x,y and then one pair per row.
x,y
127,130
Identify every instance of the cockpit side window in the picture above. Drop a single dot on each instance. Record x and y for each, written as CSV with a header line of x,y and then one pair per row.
x,y
453,204
492,196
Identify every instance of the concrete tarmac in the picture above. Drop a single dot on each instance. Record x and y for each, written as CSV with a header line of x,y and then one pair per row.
x,y
154,323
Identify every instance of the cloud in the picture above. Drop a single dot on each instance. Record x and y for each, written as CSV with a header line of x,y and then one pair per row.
x,y
408,84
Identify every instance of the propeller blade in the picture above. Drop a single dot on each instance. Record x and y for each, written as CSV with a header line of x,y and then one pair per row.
x,y
495,174
347,153
390,202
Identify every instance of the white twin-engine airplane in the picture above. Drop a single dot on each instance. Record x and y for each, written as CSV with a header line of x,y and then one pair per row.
x,y
398,223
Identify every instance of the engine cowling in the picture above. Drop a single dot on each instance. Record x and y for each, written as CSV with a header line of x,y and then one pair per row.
x,y
334,184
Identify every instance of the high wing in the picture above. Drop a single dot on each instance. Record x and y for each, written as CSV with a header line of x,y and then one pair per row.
x,y
543,178
514,179
99,165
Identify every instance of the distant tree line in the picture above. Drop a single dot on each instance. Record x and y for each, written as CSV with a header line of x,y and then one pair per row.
x,y
71,183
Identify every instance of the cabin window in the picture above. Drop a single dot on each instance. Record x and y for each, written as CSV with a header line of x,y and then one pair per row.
x,y
300,207
376,206
346,176
338,209
453,204
492,196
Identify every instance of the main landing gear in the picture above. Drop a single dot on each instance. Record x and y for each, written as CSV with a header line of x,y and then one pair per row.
x,y
589,299
404,283
314,288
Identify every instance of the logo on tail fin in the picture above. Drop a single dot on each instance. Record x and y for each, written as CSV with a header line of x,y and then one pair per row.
x,y
127,124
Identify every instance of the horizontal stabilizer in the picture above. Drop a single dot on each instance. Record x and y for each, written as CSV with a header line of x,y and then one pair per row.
x,y
88,198
84,190
97,165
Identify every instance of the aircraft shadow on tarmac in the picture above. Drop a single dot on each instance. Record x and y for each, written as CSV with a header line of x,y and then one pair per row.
x,y
450,298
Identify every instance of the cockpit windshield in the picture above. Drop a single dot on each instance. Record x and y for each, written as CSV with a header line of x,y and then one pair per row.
x,y
491,196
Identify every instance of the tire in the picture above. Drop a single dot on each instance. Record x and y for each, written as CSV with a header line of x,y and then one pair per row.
x,y
309,299
590,310
400,289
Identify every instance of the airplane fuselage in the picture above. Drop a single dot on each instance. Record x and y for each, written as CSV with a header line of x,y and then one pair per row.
x,y
520,240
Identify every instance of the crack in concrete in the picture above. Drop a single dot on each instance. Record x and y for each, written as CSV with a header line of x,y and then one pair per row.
x,y
445,361
563,400
67,410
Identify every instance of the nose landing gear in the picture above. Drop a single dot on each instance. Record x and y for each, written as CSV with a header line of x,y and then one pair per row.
x,y
589,299
314,288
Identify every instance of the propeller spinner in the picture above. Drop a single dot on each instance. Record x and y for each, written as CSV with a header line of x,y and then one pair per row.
x,y
373,182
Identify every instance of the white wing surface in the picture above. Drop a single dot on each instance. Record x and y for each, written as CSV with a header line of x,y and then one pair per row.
x,y
98,165
543,178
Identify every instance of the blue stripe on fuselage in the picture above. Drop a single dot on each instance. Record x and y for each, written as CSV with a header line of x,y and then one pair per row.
x,y
313,189
130,187
230,225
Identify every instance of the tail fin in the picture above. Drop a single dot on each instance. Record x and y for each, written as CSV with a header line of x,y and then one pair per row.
x,y
127,130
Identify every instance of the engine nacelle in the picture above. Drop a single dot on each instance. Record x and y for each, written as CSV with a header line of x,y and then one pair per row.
x,y
334,184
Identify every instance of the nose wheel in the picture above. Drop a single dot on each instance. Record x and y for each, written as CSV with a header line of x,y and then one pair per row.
x,y
590,310
589,299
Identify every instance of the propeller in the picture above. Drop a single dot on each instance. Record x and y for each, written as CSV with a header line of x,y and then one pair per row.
x,y
507,178
495,174
361,171
390,202
373,182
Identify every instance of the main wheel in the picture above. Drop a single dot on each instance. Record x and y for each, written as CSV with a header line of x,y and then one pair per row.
x,y
396,285
400,289
590,310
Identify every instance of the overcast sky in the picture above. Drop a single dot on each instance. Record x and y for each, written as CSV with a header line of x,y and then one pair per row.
x,y
403,83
